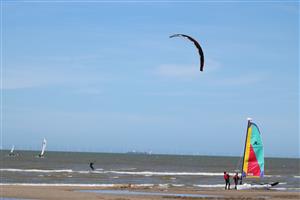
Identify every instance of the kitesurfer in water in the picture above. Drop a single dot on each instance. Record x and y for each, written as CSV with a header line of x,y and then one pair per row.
x,y
227,181
91,166
236,179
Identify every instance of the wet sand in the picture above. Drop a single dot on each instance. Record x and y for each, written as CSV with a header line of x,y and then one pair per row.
x,y
72,192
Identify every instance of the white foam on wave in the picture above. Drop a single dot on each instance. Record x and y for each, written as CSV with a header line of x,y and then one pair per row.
x,y
296,176
274,176
52,171
144,185
140,173
89,172
284,183
210,186
78,185
177,185
163,185
59,184
279,189
126,169
83,172
38,170
285,189
150,173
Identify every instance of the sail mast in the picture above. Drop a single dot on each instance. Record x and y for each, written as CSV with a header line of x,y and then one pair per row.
x,y
249,122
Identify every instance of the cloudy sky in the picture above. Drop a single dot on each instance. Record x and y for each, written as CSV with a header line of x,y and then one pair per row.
x,y
105,76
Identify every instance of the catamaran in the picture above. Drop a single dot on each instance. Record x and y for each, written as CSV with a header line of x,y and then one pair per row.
x,y
253,159
43,148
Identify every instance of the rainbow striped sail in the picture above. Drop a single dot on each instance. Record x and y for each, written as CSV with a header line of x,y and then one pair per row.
x,y
253,164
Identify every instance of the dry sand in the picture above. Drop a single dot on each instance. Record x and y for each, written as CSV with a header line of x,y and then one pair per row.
x,y
71,192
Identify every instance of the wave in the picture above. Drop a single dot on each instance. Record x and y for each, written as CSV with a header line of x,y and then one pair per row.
x,y
222,185
60,184
284,183
51,171
210,186
89,172
150,173
284,189
126,185
78,185
296,176
134,173
166,185
274,176
38,170
144,185
279,189
177,185
125,169
143,173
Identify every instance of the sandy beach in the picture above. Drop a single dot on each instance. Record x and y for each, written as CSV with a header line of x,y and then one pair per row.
x,y
72,192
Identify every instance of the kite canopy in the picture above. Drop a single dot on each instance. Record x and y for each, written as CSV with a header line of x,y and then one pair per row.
x,y
196,44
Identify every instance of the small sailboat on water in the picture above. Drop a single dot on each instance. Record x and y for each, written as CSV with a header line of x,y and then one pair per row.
x,y
41,155
253,158
12,153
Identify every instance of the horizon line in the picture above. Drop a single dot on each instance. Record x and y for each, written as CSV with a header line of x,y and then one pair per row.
x,y
151,153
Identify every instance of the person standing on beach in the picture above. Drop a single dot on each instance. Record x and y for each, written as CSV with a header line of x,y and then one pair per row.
x,y
227,181
236,179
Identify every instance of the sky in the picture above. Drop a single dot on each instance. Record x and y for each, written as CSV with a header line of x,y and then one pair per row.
x,y
106,77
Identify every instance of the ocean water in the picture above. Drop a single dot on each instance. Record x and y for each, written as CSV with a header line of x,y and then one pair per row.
x,y
72,168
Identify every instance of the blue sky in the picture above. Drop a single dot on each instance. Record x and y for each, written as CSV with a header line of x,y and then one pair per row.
x,y
106,77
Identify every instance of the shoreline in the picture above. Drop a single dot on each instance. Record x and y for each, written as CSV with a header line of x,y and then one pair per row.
x,y
74,192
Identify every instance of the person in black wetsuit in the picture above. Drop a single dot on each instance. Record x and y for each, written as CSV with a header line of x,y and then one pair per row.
x,y
92,166
236,179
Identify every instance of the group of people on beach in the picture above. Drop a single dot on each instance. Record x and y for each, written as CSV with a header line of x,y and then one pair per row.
x,y
235,178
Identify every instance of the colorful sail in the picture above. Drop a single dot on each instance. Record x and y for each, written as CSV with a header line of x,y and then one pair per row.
x,y
253,165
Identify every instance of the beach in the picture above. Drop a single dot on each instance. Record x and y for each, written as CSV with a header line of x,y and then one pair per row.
x,y
150,99
75,192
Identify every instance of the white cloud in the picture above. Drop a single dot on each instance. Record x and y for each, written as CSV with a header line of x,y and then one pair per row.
x,y
21,77
211,65
247,79
89,91
214,74
186,71
177,71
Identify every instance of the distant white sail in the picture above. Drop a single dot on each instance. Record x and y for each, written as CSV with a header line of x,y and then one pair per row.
x,y
12,149
11,153
43,147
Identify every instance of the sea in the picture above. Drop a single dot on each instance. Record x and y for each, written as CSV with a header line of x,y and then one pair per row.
x,y
73,168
